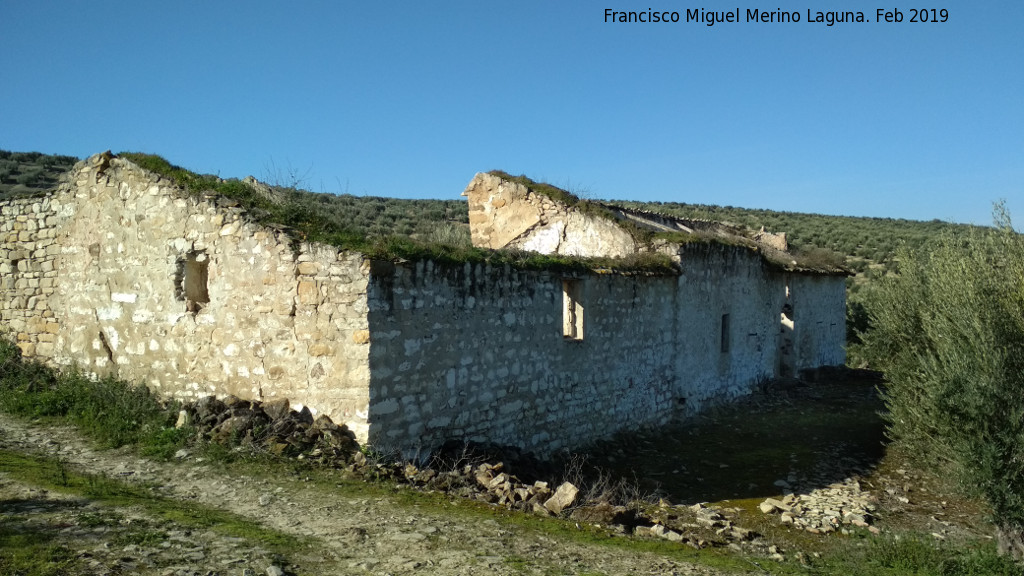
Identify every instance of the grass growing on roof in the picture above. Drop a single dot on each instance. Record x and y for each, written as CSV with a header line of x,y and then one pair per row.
x,y
305,223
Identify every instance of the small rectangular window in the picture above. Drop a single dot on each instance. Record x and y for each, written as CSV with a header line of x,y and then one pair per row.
x,y
572,310
725,333
192,277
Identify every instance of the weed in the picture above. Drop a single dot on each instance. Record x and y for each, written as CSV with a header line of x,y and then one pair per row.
x,y
26,549
110,411
919,555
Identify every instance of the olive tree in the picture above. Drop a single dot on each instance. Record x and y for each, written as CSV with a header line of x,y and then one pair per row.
x,y
948,331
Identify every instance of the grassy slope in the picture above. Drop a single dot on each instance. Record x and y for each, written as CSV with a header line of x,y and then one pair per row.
x,y
24,173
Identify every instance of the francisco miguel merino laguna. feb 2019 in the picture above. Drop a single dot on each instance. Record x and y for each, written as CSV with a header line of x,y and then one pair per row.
x,y
829,18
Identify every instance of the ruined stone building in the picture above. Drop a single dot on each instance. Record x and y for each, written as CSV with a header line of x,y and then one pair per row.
x,y
118,271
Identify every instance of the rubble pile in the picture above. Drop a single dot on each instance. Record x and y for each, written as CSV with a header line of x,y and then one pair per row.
x,y
825,510
272,426
698,525
275,427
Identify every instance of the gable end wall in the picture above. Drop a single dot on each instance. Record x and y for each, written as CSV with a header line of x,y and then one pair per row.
x,y
101,289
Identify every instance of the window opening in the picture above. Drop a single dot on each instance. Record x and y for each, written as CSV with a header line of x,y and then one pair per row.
x,y
725,333
572,310
191,281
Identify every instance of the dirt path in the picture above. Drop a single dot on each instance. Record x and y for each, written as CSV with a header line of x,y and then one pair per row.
x,y
347,535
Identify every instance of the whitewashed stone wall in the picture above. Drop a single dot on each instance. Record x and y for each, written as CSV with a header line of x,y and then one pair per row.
x,y
477,352
280,322
722,280
819,320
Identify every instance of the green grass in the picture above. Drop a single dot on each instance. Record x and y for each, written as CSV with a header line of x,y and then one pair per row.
x,y
911,554
112,412
34,391
27,550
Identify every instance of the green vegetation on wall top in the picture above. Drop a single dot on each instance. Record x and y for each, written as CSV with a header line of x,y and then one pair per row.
x,y
869,244
304,216
816,259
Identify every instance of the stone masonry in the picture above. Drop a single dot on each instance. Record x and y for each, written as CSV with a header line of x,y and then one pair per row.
x,y
99,273
120,272
28,273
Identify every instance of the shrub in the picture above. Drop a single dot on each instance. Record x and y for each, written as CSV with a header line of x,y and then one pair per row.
x,y
949,334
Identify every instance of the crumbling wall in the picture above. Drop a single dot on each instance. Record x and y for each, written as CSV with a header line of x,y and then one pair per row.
x,y
483,353
119,272
505,214
190,298
479,353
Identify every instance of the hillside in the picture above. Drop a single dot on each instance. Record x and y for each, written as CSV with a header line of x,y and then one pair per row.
x,y
864,241
24,173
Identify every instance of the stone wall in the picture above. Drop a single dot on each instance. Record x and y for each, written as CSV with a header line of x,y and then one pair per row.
x,y
479,353
726,289
188,296
819,319
28,273
120,272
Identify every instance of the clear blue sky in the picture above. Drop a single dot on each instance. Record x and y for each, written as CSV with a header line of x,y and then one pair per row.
x,y
410,99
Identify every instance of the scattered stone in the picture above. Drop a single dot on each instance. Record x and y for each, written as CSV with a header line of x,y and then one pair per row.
x,y
564,497
184,419
825,509
277,409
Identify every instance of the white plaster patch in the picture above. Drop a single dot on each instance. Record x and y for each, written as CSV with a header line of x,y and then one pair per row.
x,y
123,297
545,240
112,337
